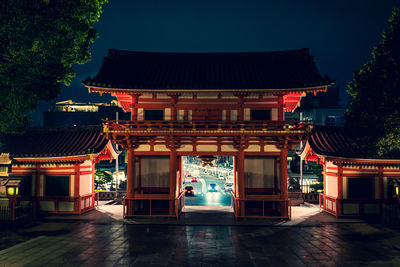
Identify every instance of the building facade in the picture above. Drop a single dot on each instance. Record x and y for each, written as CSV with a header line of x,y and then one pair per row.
x,y
56,166
70,113
353,185
207,104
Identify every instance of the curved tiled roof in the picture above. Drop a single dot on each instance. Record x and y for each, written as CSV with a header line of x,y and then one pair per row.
x,y
195,71
54,142
331,141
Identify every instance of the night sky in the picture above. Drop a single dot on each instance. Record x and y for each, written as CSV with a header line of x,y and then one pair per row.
x,y
340,34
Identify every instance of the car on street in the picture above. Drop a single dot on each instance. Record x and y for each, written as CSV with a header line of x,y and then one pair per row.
x,y
194,179
189,191
221,177
228,186
213,188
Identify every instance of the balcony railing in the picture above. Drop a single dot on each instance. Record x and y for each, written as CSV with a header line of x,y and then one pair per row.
x,y
215,127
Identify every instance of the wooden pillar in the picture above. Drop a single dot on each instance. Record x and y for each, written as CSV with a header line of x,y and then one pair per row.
x,y
380,182
135,101
130,179
76,189
174,101
240,114
284,183
37,181
240,181
76,180
325,181
37,188
172,180
281,108
340,191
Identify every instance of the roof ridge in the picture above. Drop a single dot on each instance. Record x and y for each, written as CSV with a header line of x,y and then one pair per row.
x,y
117,52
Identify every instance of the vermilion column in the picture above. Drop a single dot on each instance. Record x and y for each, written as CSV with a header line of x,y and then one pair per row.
x,y
281,108
284,184
37,186
135,100
76,189
380,182
240,180
340,191
172,181
130,179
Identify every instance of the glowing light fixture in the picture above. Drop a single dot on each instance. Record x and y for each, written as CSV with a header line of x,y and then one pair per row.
x,y
207,160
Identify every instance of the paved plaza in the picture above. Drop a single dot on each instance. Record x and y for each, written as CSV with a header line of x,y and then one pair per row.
x,y
99,239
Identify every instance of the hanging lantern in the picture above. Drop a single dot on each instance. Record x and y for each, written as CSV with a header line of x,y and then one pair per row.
x,y
207,160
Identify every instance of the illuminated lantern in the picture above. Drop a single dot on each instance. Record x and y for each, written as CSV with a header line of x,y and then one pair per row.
x,y
12,187
207,160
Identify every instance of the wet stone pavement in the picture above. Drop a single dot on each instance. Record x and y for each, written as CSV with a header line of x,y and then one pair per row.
x,y
85,243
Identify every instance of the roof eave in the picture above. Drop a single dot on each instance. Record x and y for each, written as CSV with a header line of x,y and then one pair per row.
x,y
100,89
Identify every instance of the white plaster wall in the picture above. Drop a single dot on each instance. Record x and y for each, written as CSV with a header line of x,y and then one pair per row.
x,y
140,114
71,185
206,148
180,114
155,171
234,115
85,184
331,186
246,114
259,172
228,148
167,114
143,147
271,148
185,148
274,114
253,148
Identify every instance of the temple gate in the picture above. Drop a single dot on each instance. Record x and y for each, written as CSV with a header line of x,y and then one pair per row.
x,y
203,104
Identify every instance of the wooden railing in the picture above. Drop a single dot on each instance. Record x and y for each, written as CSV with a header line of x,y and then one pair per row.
x,y
311,197
195,126
153,205
14,211
361,206
330,204
261,207
321,200
336,206
88,202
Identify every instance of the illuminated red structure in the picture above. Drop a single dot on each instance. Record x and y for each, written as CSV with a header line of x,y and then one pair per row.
x,y
353,185
57,165
207,104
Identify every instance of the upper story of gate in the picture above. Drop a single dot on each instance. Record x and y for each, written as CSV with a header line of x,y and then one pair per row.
x,y
232,88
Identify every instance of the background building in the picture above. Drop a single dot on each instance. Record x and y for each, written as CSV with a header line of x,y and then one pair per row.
x,y
71,113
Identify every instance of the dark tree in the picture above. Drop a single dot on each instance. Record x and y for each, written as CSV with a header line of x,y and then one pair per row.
x,y
40,41
373,117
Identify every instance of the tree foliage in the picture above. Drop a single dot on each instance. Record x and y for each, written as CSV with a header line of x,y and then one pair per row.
x,y
317,170
373,117
102,178
40,41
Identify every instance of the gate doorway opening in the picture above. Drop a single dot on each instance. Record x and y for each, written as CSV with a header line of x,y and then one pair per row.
x,y
208,184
